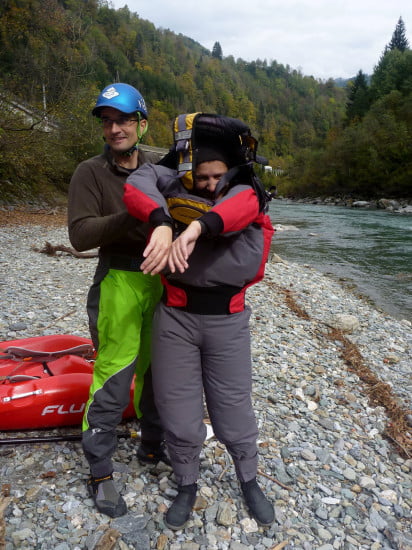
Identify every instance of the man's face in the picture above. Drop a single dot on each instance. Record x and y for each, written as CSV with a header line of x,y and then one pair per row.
x,y
207,176
120,129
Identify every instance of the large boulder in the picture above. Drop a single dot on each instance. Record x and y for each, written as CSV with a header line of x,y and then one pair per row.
x,y
345,323
388,204
405,210
361,204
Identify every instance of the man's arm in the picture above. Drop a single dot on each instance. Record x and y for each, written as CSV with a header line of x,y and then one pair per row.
x,y
142,196
233,212
144,200
87,227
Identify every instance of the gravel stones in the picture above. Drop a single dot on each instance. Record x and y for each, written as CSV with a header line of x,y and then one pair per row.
x,y
335,479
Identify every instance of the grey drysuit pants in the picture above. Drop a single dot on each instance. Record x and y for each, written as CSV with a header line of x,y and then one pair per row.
x,y
192,354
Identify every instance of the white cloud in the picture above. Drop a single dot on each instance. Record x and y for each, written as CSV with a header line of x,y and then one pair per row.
x,y
323,38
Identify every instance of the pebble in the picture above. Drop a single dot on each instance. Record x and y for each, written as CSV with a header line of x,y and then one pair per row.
x,y
335,480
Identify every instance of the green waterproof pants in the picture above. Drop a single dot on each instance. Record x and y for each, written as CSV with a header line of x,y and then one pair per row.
x,y
125,303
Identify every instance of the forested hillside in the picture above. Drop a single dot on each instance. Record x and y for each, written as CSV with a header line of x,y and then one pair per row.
x,y
370,155
55,56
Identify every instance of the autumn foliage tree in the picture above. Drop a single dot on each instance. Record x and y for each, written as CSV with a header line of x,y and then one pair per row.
x,y
55,56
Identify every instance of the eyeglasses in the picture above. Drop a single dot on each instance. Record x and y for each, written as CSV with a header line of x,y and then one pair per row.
x,y
122,121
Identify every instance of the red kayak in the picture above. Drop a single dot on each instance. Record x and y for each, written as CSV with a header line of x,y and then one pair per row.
x,y
45,381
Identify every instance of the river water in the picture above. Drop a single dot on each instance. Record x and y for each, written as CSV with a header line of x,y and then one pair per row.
x,y
368,249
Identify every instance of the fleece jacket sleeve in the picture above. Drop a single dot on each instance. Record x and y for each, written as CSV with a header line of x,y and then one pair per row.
x,y
88,228
142,197
235,211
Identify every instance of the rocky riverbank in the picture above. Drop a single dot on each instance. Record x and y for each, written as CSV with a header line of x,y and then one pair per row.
x,y
332,389
397,206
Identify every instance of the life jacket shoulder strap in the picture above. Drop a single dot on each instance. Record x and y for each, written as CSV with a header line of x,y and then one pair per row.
x,y
183,138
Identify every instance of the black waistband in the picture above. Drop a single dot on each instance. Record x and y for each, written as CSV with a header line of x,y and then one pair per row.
x,y
211,300
122,262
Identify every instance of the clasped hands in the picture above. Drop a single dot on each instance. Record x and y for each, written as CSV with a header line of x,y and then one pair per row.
x,y
162,250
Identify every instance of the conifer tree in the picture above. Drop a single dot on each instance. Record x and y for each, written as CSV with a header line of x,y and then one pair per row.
x,y
217,51
399,40
358,98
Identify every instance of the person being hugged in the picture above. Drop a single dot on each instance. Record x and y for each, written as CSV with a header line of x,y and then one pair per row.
x,y
201,335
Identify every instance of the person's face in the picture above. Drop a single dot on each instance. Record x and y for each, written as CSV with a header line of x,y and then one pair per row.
x,y
207,176
120,129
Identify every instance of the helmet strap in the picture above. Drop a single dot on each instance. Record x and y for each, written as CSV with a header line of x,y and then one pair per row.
x,y
140,135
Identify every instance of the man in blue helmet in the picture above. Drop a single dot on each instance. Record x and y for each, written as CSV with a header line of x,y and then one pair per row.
x,y
121,299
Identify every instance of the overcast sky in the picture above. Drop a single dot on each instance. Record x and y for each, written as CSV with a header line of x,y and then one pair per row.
x,y
322,38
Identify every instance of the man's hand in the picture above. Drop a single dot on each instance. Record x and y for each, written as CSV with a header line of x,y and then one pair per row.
x,y
183,246
157,251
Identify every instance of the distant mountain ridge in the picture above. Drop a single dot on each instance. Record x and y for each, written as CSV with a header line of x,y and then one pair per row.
x,y
343,82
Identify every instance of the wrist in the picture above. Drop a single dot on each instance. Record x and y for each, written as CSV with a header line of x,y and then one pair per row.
x,y
166,223
203,228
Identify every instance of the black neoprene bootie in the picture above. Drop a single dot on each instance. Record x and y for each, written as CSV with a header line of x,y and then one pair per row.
x,y
106,497
181,507
259,506
152,452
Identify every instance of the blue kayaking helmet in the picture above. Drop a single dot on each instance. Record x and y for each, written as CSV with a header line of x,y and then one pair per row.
x,y
123,97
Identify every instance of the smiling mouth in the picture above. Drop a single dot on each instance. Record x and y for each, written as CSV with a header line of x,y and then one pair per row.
x,y
118,139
